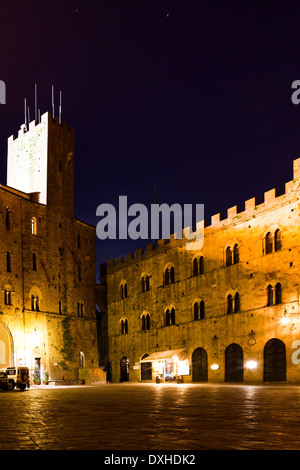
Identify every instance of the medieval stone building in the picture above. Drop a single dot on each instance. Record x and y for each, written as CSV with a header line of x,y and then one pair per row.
x,y
226,313
47,257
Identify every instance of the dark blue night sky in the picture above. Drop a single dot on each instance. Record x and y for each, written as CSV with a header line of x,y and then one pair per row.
x,y
192,95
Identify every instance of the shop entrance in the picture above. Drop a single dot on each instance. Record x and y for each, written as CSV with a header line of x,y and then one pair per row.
x,y
146,369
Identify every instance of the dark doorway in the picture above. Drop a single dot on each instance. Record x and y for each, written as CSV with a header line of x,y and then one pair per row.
x,y
146,369
199,365
124,369
274,361
234,364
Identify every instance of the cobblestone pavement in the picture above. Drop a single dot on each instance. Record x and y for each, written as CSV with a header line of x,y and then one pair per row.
x,y
151,417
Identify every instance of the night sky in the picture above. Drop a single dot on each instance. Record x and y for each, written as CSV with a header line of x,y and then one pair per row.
x,y
192,95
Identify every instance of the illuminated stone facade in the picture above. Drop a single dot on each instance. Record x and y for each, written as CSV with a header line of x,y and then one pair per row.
x,y
234,312
47,258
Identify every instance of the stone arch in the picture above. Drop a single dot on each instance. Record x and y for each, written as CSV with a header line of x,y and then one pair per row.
x,y
6,347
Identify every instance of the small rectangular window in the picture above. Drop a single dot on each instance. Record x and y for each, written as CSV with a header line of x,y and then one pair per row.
x,y
8,262
34,261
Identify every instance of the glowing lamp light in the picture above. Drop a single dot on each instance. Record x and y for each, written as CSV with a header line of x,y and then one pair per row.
x,y
251,364
284,320
214,366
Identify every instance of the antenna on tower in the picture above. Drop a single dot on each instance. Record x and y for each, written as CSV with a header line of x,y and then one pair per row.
x,y
35,102
60,101
153,202
28,114
52,101
25,113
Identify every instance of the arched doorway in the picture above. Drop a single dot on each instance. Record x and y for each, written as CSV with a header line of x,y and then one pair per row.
x,y
274,361
199,365
146,369
234,364
5,347
124,369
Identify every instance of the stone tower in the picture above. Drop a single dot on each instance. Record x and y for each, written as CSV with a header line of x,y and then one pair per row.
x,y
40,161
47,257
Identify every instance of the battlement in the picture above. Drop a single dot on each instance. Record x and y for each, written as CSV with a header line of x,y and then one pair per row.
x,y
45,118
235,216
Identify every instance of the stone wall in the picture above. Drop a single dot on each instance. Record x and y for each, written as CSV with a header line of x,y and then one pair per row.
x,y
251,327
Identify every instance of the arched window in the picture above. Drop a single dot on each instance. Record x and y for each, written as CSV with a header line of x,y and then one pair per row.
x,y
168,317
269,295
236,255
199,312
123,290
237,302
167,277
268,243
195,267
198,266
146,322
229,304
173,316
228,256
277,240
145,283
196,311
278,293
201,265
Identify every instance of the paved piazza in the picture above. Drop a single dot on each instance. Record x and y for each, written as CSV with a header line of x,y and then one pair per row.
x,y
151,417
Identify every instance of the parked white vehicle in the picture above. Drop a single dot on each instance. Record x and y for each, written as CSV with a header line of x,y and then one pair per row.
x,y
18,377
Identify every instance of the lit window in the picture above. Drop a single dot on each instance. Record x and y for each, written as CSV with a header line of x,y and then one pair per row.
x,y
35,303
33,226
124,327
7,297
